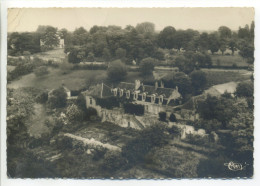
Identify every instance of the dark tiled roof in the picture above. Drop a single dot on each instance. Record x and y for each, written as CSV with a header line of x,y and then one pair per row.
x,y
95,91
126,86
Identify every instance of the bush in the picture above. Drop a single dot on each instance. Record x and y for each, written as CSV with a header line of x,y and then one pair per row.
x,y
113,161
245,89
57,98
116,71
74,113
42,97
134,109
162,116
108,103
147,66
172,118
41,71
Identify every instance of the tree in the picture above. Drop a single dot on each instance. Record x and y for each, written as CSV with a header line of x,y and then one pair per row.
x,y
166,37
147,66
106,55
184,64
50,38
245,89
145,27
120,53
74,113
198,81
246,50
213,43
232,44
221,109
224,32
179,79
203,42
223,46
90,57
57,98
116,71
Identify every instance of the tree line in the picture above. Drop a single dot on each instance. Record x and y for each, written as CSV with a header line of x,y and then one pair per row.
x,y
109,43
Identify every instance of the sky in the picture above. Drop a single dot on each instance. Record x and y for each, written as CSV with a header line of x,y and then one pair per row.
x,y
28,19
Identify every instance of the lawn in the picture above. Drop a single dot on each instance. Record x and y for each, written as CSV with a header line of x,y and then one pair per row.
x,y
74,80
215,77
219,60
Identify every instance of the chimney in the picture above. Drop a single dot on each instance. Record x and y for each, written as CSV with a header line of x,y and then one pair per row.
x,y
162,84
156,85
137,84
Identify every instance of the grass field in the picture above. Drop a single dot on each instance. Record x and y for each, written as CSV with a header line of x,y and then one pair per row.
x,y
219,60
215,77
74,80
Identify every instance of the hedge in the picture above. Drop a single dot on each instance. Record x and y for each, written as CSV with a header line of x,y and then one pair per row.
x,y
134,109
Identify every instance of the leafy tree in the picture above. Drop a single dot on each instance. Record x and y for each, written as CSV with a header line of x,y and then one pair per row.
x,y
223,46
179,79
147,66
224,32
166,37
145,27
203,42
90,57
121,54
198,81
116,71
73,56
246,50
50,38
232,44
213,43
74,113
245,89
136,149
184,64
57,98
221,109
106,55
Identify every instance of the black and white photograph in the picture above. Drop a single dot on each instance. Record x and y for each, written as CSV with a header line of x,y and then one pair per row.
x,y
130,93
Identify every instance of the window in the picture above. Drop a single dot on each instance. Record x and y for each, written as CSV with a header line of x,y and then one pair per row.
x,y
144,97
161,99
135,96
121,92
128,94
115,92
90,101
152,98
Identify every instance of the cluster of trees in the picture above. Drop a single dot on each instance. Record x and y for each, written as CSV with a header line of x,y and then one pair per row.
x,y
27,43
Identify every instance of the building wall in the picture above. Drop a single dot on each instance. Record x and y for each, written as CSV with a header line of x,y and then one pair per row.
x,y
151,107
91,103
119,118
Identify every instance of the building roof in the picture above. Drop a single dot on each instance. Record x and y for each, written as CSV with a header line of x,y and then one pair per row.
x,y
96,91
217,90
126,86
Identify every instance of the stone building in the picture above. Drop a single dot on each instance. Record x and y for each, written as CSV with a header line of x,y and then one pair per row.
x,y
155,99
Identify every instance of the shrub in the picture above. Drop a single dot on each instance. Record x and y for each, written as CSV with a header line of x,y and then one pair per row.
x,y
42,97
116,71
74,113
147,66
41,71
162,116
113,161
245,89
57,98
172,118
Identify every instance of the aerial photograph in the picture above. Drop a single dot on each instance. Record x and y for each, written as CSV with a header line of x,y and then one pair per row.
x,y
130,93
